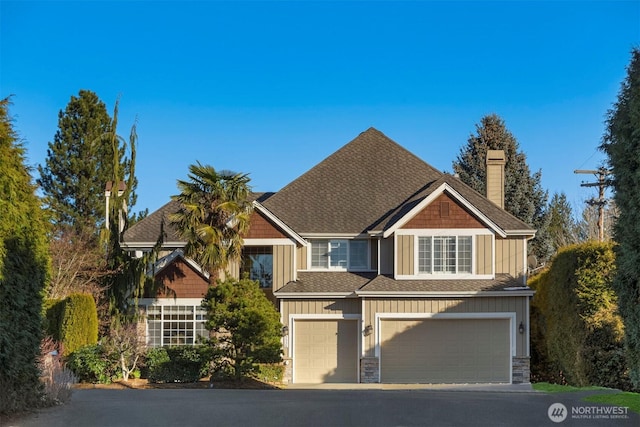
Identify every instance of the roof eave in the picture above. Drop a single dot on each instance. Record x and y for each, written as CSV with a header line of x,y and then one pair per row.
x,y
293,295
444,294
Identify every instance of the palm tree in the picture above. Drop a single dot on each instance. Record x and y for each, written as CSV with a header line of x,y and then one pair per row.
x,y
213,216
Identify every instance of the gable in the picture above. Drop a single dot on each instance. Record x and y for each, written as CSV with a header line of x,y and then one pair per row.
x,y
178,279
262,228
443,212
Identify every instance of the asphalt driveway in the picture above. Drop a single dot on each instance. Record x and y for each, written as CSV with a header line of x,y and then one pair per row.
x,y
108,408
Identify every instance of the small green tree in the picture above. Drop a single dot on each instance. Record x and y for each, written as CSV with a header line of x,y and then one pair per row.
x,y
245,325
79,324
24,266
562,226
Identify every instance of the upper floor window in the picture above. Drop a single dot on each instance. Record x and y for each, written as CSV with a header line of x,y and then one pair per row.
x,y
257,261
444,254
340,254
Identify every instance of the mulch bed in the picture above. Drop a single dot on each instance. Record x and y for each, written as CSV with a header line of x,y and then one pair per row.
x,y
205,383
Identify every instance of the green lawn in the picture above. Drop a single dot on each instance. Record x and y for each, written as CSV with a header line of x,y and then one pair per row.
x,y
626,399
557,388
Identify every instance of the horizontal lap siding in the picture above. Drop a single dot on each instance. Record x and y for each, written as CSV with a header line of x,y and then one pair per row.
x,y
441,305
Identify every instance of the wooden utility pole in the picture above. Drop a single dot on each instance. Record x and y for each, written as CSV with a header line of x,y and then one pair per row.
x,y
604,181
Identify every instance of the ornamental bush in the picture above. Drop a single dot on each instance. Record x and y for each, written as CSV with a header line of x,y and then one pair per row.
x,y
79,322
181,364
576,331
94,364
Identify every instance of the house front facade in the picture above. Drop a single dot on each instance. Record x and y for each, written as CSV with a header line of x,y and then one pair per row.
x,y
383,269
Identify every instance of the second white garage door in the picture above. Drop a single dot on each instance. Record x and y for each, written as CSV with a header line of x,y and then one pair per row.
x,y
325,351
445,351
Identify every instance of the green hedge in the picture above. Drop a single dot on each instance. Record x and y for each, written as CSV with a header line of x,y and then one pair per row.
x,y
79,322
177,364
576,331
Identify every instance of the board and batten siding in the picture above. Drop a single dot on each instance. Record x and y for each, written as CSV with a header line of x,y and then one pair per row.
x,y
515,304
301,255
283,268
510,256
310,307
484,254
405,253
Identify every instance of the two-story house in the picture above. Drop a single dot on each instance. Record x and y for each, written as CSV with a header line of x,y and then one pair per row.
x,y
383,269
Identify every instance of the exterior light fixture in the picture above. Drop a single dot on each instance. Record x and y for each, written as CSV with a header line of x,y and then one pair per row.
x,y
285,331
521,328
368,330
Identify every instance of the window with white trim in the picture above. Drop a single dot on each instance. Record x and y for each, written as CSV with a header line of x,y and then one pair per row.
x,y
340,254
444,254
172,325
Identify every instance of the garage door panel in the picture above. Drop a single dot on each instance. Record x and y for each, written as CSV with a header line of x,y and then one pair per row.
x,y
325,351
445,350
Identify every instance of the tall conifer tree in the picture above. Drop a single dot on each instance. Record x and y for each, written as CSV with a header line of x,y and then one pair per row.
x,y
524,196
23,274
622,145
78,165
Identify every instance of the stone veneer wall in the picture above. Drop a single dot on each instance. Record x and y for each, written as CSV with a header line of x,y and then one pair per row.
x,y
287,375
369,370
521,370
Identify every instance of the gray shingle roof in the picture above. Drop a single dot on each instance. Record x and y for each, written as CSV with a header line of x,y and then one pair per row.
x,y
328,282
354,189
148,229
367,185
385,283
345,282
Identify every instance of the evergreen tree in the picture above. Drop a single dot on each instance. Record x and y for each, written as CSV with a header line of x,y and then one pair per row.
x,y
622,145
524,196
562,226
126,276
245,324
79,164
23,274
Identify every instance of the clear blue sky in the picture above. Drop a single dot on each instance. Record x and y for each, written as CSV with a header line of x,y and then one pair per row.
x,y
272,88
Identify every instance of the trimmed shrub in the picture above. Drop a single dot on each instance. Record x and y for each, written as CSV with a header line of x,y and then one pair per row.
x,y
94,364
79,324
53,311
181,364
576,331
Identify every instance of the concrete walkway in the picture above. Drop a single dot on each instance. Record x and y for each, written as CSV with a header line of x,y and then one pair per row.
x,y
506,388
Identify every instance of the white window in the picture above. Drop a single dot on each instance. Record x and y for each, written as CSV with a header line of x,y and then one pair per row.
x,y
444,254
172,325
340,254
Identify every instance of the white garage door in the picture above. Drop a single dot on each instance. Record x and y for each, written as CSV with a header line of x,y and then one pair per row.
x,y
325,351
445,351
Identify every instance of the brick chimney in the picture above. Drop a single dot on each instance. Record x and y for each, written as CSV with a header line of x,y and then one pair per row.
x,y
495,176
